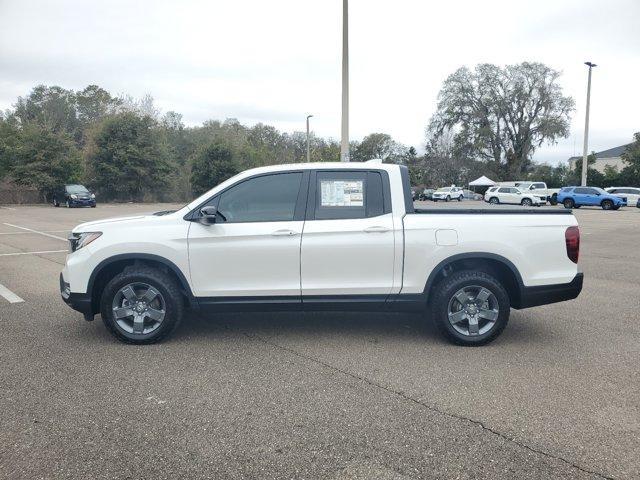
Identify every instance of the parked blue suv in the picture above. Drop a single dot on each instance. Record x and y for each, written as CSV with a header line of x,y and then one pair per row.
x,y
576,197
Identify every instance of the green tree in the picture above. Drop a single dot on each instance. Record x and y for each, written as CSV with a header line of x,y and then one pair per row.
x,y
45,159
631,157
502,115
9,134
379,145
52,108
127,159
211,165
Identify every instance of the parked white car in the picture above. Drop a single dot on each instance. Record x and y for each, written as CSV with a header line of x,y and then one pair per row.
x,y
632,194
448,193
321,236
539,189
512,195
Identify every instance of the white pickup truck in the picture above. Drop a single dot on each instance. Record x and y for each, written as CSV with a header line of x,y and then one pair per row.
x,y
328,236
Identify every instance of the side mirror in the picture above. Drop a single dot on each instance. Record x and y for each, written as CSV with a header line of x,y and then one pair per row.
x,y
208,215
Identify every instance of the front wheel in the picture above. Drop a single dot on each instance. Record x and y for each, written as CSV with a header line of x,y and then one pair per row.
x,y
494,201
607,205
470,308
141,305
526,202
448,199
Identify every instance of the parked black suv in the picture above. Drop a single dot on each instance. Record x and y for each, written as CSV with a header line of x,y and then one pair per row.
x,y
74,196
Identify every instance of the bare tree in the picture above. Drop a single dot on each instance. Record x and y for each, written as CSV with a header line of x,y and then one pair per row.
x,y
503,114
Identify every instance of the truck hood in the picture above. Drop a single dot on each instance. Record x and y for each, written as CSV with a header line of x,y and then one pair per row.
x,y
108,222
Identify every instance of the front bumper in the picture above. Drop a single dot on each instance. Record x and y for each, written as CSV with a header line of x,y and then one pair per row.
x,y
545,294
82,202
81,302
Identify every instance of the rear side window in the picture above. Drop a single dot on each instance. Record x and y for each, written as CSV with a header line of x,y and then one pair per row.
x,y
268,198
539,185
343,195
504,190
566,189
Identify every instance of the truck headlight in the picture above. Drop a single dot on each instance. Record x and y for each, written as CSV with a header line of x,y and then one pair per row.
x,y
79,240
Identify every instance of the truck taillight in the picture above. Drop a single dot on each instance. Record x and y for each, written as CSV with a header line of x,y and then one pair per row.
x,y
572,239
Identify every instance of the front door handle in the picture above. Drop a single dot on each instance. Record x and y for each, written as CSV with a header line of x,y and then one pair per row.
x,y
284,233
376,229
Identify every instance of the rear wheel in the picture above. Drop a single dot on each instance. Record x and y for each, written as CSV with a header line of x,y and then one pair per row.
x,y
607,205
526,202
470,308
568,203
141,305
494,200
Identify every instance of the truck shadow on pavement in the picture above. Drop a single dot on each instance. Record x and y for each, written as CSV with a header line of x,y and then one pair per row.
x,y
365,326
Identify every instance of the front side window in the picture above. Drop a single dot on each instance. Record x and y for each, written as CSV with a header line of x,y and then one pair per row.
x,y
268,198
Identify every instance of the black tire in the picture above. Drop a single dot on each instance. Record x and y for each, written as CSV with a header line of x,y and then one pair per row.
x,y
93,206
460,198
443,294
568,203
617,207
554,199
494,201
448,199
56,203
607,205
435,200
526,202
165,284
68,203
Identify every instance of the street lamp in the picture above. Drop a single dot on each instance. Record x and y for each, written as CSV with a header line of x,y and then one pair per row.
x,y
308,150
586,128
344,140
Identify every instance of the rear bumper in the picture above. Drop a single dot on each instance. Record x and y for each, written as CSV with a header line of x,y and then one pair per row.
x,y
545,294
80,302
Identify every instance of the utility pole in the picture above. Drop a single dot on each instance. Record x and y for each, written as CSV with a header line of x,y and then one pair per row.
x,y
344,141
308,149
586,129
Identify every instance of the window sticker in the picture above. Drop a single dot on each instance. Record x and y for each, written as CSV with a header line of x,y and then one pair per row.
x,y
342,193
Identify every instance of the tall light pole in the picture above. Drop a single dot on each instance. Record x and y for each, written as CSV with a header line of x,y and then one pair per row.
x,y
344,139
308,149
586,128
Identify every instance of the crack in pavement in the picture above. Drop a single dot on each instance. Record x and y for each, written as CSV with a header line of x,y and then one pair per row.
x,y
432,408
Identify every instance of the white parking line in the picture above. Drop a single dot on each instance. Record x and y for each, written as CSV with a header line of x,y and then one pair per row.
x,y
35,231
31,233
31,253
9,295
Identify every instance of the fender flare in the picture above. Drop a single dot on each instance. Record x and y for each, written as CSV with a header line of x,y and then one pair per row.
x,y
473,256
144,256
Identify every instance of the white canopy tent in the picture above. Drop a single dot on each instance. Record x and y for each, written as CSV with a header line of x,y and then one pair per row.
x,y
482,182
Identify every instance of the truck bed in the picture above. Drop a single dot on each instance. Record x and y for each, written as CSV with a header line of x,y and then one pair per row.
x,y
491,211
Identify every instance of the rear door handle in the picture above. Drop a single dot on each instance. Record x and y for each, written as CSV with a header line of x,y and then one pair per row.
x,y
284,233
376,229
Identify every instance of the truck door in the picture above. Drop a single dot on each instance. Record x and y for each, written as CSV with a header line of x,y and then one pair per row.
x,y
253,249
348,240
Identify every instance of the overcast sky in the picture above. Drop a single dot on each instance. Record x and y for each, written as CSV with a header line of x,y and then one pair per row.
x,y
276,61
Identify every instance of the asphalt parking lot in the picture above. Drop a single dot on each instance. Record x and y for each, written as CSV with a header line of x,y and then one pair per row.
x,y
322,395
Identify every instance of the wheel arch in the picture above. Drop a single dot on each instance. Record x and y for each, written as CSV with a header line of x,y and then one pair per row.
x,y
110,267
497,265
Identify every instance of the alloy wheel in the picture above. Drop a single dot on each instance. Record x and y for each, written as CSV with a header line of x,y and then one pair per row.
x,y
138,308
473,310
